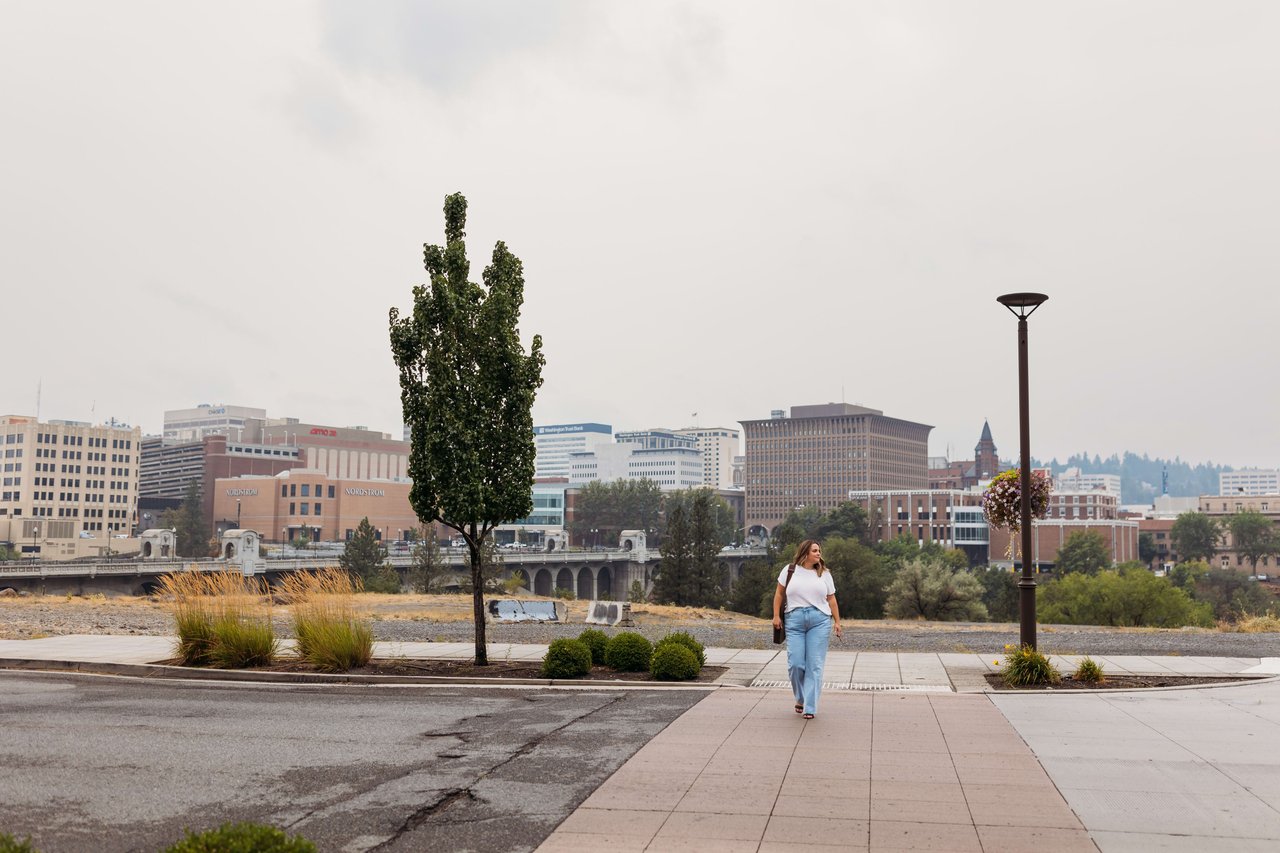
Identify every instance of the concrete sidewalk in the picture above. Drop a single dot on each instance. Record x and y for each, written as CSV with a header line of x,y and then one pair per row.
x,y
909,752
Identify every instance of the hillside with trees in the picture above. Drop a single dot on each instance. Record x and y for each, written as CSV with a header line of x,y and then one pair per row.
x,y
1140,476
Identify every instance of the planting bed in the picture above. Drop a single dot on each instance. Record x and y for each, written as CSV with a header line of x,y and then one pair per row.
x,y
1124,682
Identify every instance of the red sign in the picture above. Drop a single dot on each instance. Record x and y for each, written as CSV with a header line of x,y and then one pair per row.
x,y
319,431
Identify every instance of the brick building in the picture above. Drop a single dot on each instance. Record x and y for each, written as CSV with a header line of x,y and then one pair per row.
x,y
949,517
1049,534
820,453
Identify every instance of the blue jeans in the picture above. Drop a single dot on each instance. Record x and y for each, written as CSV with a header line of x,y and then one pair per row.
x,y
808,632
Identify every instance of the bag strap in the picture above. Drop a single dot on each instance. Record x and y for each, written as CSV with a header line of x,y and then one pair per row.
x,y
791,570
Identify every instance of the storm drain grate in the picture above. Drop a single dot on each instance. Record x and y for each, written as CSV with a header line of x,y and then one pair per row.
x,y
896,688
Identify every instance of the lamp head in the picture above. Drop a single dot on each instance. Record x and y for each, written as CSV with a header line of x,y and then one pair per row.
x,y
1022,304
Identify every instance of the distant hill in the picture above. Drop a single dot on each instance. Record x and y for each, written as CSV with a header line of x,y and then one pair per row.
x,y
1140,475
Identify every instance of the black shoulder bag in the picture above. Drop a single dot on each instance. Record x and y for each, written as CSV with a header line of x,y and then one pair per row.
x,y
780,634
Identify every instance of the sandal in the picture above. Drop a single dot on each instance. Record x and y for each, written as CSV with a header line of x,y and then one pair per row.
x,y
799,708
808,716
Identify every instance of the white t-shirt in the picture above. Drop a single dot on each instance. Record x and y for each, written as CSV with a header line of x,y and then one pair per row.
x,y
807,589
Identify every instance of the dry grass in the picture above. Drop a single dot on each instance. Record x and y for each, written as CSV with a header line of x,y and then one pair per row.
x,y
222,618
330,634
1267,623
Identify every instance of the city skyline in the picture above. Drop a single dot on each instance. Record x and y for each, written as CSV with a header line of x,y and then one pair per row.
x,y
721,208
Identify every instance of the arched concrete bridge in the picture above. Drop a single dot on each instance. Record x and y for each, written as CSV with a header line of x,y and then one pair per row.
x,y
599,574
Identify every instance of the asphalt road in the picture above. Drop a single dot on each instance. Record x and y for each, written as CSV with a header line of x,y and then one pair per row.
x,y
111,764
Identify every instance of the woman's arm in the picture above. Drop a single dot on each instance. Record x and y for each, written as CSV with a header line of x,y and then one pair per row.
x,y
778,595
835,614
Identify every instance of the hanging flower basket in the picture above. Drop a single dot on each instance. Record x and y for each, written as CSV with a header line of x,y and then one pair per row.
x,y
1002,501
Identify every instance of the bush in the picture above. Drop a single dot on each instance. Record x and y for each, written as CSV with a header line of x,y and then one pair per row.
x,y
565,593
242,838
1089,672
674,662
687,640
628,652
595,640
1025,666
636,594
925,589
566,658
9,844
1131,598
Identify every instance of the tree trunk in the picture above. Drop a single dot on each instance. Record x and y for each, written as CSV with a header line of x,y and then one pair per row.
x,y
477,598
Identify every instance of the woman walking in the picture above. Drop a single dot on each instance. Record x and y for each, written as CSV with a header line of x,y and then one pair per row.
x,y
811,612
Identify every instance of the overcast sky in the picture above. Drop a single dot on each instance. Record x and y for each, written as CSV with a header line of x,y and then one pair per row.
x,y
722,208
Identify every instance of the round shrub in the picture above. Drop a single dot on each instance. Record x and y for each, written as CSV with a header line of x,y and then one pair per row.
x,y
242,837
628,652
674,662
566,659
687,640
596,640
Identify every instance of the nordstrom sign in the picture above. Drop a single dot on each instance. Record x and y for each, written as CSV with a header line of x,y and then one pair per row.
x,y
236,493
367,493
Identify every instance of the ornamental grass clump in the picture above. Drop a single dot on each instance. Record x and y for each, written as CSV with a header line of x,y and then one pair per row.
x,y
328,633
566,658
684,638
674,662
1089,672
9,844
222,618
596,640
628,652
1024,667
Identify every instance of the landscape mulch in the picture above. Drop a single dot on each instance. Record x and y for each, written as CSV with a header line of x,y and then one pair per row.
x,y
496,670
1123,682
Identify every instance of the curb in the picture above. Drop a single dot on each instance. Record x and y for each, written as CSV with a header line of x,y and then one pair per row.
x,y
163,671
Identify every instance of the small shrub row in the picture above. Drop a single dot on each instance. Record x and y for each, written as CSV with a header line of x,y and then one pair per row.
x,y
676,657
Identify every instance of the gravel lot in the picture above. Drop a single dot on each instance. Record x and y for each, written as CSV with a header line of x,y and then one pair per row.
x,y
30,618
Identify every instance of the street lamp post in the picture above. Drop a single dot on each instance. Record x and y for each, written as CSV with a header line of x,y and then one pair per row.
x,y
237,513
35,532
1022,306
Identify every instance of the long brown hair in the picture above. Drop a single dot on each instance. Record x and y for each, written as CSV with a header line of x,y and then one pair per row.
x,y
803,551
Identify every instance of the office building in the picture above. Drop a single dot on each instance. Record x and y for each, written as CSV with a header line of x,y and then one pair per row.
x,y
719,446
672,468
951,518
1249,481
820,454
65,483
191,425
1073,480
554,443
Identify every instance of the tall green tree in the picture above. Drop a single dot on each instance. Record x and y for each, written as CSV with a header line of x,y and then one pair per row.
x,y
428,568
723,523
1146,548
999,592
467,388
1131,598
670,586
1195,536
752,592
847,521
187,521
366,558
1085,551
603,510
1252,536
1231,594
861,577
800,524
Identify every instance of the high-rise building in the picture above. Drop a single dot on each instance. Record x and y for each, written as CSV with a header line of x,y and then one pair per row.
x,y
821,453
554,442
64,481
671,468
719,446
182,425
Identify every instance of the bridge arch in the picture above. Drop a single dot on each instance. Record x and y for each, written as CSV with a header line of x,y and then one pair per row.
x,y
523,576
564,579
586,584
604,584
542,583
